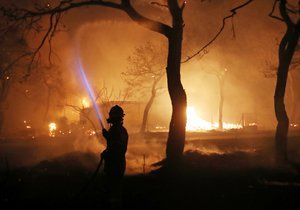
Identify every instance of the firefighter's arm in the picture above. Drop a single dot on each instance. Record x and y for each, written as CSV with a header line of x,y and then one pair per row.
x,y
105,134
103,154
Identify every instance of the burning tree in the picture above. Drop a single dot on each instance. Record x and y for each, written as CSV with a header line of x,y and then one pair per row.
x,y
145,71
286,52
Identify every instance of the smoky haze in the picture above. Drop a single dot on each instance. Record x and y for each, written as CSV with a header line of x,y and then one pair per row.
x,y
103,39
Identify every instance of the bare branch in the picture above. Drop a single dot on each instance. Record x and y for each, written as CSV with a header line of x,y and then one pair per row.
x,y
145,22
284,13
42,42
271,14
159,4
30,20
84,113
57,18
233,13
22,14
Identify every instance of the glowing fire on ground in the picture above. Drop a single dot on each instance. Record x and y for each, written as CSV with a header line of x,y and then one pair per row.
x,y
195,123
85,102
52,129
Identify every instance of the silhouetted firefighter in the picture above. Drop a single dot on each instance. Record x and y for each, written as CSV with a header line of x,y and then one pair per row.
x,y
114,155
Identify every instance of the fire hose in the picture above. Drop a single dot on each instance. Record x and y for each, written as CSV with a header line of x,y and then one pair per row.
x,y
92,179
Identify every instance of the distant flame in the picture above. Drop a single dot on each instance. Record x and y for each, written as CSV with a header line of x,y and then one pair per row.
x,y
85,103
194,123
294,125
52,129
91,132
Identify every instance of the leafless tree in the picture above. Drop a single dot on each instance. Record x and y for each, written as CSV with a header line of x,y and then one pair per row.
x,y
286,52
220,74
145,71
85,112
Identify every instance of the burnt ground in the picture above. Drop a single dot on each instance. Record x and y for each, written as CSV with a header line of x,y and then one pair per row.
x,y
233,172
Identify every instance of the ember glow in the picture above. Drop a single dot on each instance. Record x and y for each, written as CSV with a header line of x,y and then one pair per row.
x,y
27,124
195,123
91,132
52,129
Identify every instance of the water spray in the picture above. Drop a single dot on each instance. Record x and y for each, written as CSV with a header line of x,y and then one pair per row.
x,y
90,92
99,117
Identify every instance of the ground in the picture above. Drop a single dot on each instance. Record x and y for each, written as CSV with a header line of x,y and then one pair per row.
x,y
218,171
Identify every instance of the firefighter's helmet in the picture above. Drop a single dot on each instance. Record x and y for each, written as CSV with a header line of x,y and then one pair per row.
x,y
116,113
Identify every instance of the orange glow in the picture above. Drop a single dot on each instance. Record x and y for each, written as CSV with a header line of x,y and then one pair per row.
x,y
85,103
52,129
195,123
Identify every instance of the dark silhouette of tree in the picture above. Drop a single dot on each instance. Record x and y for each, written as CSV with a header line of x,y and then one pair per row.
x,y
221,79
145,71
270,71
173,33
286,51
221,76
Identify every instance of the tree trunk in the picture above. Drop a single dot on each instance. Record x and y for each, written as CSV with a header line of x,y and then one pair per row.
x,y
176,137
286,52
146,113
1,121
282,125
148,106
221,102
293,101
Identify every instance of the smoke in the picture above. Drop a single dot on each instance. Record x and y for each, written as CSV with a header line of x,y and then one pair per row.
x,y
107,38
82,153
143,153
85,143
